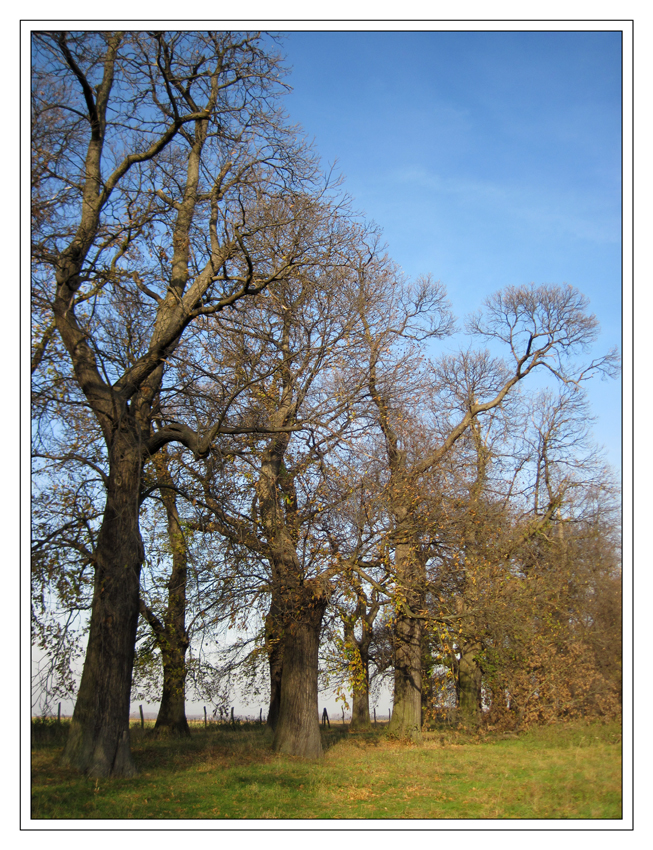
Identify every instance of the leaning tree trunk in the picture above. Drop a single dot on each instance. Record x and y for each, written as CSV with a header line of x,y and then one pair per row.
x,y
298,729
98,742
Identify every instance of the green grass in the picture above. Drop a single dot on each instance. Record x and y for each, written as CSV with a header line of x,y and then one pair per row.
x,y
565,771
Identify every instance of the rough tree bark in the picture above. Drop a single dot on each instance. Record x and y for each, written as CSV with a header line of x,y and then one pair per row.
x,y
298,605
170,633
298,728
274,648
406,718
98,742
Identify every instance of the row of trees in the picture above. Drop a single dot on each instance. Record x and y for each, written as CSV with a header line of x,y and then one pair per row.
x,y
231,387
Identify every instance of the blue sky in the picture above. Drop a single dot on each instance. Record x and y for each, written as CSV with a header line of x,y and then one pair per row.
x,y
488,158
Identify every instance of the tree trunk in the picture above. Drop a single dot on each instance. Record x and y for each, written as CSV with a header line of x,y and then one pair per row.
x,y
427,684
171,636
360,707
407,704
98,742
171,719
274,646
279,522
298,730
469,688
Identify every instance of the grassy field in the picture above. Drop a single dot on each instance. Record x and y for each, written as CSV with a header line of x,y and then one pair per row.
x,y
223,772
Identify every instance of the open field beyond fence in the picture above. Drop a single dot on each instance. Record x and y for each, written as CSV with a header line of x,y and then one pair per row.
x,y
566,771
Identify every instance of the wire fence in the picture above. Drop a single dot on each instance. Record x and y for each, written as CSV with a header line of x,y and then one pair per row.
x,y
224,717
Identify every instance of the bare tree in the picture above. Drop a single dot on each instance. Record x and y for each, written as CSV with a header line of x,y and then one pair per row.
x,y
267,487
160,156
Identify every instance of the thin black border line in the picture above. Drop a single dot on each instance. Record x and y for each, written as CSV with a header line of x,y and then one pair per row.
x,y
363,20
632,402
420,829
632,176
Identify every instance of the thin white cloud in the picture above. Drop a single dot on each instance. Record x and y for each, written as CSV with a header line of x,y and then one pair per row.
x,y
561,212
